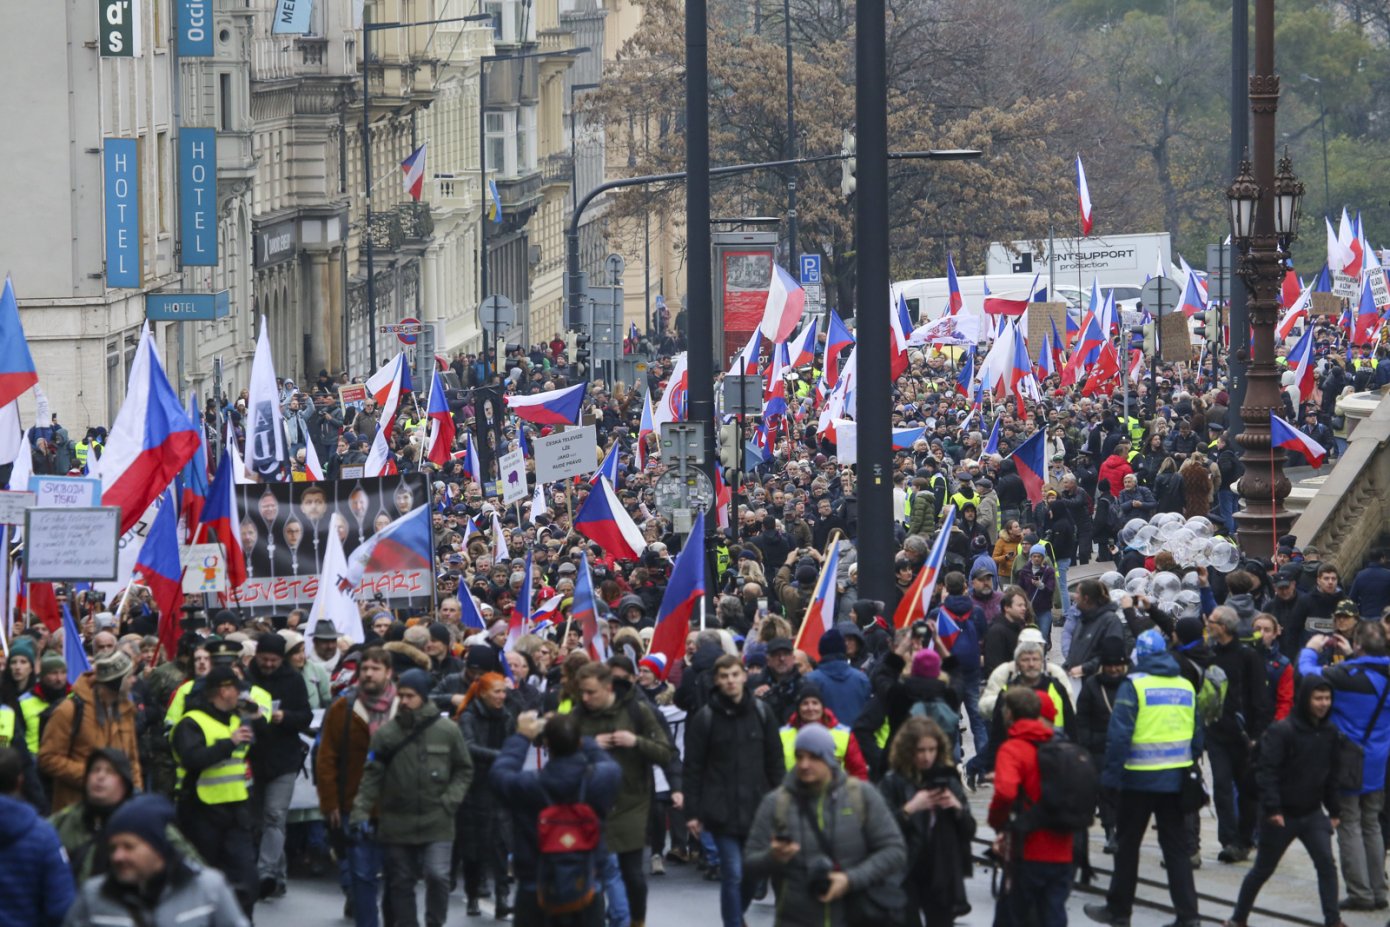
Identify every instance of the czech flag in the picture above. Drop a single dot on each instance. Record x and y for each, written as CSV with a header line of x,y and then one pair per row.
x,y
1192,301
552,407
609,467
785,302
820,612
160,569
584,611
681,597
900,326
387,386
380,461
644,428
803,349
955,302
837,339
404,544
1046,364
917,599
904,438
17,371
221,515
472,463
1367,315
151,441
745,362
1304,365
946,627
443,431
193,478
313,470
520,621
603,520
1284,435
471,616
966,377
1083,197
1290,290
73,654
414,169
1353,251
992,445
999,305
1030,459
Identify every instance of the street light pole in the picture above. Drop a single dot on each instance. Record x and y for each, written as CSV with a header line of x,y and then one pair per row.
x,y
699,320
791,140
1322,124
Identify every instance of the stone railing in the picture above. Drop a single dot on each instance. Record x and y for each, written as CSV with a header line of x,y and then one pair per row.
x,y
1351,508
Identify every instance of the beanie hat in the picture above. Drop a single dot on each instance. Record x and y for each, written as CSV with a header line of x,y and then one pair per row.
x,y
1189,629
832,642
1112,652
810,689
1037,549
805,574
226,616
1150,642
24,647
270,643
219,676
118,760
147,817
440,634
481,656
816,740
656,662
52,662
417,636
417,680
926,664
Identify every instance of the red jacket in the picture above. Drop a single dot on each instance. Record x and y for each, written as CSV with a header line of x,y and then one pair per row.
x,y
1015,772
1115,468
854,757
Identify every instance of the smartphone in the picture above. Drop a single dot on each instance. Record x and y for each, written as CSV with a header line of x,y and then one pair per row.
x,y
762,606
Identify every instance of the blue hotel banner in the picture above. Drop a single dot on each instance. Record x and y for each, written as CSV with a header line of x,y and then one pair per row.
x,y
198,197
120,180
194,28
291,17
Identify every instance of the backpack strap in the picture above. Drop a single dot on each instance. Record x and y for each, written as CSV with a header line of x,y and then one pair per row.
x,y
419,729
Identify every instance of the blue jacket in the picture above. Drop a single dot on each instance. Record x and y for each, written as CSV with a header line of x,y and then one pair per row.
x,y
1371,590
525,792
844,689
36,887
1357,685
1121,732
967,648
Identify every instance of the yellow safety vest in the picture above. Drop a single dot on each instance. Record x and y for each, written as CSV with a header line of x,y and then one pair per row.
x,y
226,782
31,706
839,733
6,725
174,715
1165,724
80,450
959,499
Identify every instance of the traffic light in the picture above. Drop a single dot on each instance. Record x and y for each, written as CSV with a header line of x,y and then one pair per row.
x,y
848,165
581,354
728,446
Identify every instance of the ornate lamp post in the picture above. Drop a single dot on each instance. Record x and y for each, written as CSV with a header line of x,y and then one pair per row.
x,y
1264,211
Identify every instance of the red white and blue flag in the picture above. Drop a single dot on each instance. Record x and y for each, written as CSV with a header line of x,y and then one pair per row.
x,y
151,441
671,406
966,377
802,350
161,571
1030,460
1284,435
785,302
387,386
1304,365
820,612
220,514
1192,301
745,362
1083,198
74,655
1367,314
917,601
603,520
404,544
442,428
682,597
992,445
17,371
193,478
900,326
1010,305
584,610
644,428
904,438
414,169
520,621
313,470
837,338
609,467
551,407
955,302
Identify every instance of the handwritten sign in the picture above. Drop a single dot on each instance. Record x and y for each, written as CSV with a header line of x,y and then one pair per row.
x,y
572,452
65,491
513,482
12,506
71,544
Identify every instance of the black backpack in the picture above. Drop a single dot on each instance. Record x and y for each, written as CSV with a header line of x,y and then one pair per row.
x,y
1070,787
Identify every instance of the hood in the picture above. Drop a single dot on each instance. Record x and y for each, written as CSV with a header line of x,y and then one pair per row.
x,y
959,605
1244,604
1303,700
17,819
1105,608
851,630
630,601
1159,664
828,721
836,667
1033,730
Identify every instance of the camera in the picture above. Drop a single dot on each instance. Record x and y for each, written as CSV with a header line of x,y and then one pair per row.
x,y
818,876
921,631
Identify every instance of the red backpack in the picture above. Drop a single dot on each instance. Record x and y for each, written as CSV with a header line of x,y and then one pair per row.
x,y
567,872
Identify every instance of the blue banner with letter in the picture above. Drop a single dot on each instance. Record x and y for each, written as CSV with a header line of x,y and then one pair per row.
x,y
120,180
187,307
292,17
198,197
194,28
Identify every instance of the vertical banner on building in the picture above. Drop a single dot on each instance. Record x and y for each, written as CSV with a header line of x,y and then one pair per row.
x,y
194,28
198,197
120,182
119,28
292,17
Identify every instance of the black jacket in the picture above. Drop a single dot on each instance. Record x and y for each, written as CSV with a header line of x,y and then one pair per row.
x,y
733,757
1292,616
1000,640
1246,711
1297,766
1093,709
278,750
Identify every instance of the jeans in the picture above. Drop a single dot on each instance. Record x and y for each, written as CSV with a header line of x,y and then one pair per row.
x,y
1314,831
1064,564
614,893
1044,621
1227,503
406,864
1233,793
1038,894
735,892
1131,822
710,848
272,804
363,865
1361,847
967,686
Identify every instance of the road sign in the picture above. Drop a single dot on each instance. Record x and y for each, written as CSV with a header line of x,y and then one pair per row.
x,y
743,395
496,315
1160,296
406,335
810,269
1221,265
614,265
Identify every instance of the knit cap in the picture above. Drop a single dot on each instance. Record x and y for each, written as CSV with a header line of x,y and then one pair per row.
x,y
816,740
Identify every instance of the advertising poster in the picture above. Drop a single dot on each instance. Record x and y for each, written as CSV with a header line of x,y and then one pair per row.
x,y
284,538
745,277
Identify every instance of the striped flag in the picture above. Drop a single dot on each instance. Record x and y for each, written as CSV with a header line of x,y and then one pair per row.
x,y
915,603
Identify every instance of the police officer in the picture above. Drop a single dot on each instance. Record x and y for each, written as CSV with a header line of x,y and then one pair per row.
x,y
214,799
222,653
1153,740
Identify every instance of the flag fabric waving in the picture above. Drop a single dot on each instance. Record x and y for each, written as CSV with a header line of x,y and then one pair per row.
x,y
1284,435
820,611
917,600
1304,365
160,569
603,520
193,478
837,338
1030,460
404,544
955,302
267,454
17,371
785,302
584,610
334,600
1083,197
802,349
313,469
682,596
519,622
552,407
609,467
442,431
671,406
992,445
221,515
414,169
73,653
387,386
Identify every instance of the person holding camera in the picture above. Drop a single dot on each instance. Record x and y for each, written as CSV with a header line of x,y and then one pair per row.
x,y
828,841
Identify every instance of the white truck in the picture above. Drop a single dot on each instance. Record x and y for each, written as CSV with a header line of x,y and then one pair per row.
x,y
1121,261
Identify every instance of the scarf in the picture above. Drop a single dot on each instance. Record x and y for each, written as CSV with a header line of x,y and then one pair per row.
x,y
379,708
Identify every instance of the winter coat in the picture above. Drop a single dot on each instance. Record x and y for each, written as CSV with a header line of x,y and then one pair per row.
x,y
1005,674
81,831
1001,637
860,830
853,761
418,791
1370,590
1115,468
627,825
1093,708
733,757
781,693
1124,504
191,896
63,752
1357,685
277,750
1039,585
1092,628
1296,769
966,650
1017,779
1114,775
36,887
482,818
525,792
844,689
1279,678
1292,616
938,842
1247,709
341,760
907,691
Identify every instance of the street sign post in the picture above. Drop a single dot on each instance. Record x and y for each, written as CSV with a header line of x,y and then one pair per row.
x,y
1220,267
810,270
496,316
1159,296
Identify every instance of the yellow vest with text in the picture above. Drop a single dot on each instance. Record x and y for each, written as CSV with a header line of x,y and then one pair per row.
x,y
223,783
6,725
31,706
839,733
959,499
1166,721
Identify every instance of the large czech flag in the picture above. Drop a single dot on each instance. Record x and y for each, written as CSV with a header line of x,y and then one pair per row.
x,y
160,569
782,311
17,371
552,407
1284,435
603,520
681,597
1030,459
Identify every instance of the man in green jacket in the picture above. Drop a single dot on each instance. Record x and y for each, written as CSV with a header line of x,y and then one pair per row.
x,y
418,770
623,723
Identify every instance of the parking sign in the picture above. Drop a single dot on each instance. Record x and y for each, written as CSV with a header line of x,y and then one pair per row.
x,y
810,269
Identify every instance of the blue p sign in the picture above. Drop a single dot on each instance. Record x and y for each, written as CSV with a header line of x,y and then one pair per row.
x,y
810,269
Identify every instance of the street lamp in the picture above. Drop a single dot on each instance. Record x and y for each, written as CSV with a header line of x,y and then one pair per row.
x,y
1243,200
1288,201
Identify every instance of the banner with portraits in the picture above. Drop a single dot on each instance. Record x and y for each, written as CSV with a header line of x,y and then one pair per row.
x,y
284,538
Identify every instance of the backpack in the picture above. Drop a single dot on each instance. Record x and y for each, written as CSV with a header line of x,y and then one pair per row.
x,y
1211,695
946,717
1070,788
567,867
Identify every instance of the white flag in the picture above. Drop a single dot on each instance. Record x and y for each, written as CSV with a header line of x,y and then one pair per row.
x,y
379,456
538,506
23,464
499,541
266,454
334,601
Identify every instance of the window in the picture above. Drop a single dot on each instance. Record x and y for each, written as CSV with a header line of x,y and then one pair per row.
x,y
224,102
526,143
501,142
161,166
513,21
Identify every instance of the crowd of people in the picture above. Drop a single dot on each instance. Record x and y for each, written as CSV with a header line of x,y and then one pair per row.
x,y
836,771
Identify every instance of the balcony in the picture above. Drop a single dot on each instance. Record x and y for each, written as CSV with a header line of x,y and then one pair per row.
x,y
417,224
386,231
455,191
520,198
557,169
